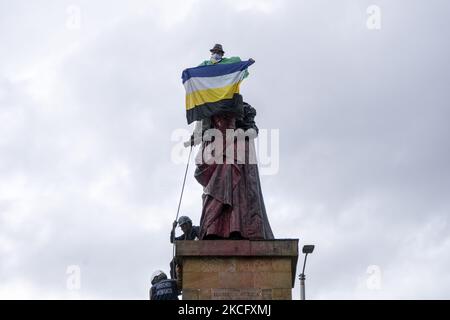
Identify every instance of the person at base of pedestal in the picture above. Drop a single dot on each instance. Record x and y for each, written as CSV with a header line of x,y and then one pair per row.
x,y
163,288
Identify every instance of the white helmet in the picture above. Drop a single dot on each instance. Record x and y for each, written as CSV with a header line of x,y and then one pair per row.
x,y
157,276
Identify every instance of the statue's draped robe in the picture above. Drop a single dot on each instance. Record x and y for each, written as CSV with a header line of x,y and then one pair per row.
x,y
233,205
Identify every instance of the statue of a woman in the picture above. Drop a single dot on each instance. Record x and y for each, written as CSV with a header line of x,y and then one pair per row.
x,y
233,204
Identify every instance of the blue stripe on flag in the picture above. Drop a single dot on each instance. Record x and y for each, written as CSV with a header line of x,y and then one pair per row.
x,y
215,70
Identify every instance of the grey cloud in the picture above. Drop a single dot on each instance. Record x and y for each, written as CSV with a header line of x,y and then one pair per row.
x,y
362,115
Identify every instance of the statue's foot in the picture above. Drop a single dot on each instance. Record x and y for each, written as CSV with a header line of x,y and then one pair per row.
x,y
236,236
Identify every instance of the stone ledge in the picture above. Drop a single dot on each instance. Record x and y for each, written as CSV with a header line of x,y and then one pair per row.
x,y
248,248
256,261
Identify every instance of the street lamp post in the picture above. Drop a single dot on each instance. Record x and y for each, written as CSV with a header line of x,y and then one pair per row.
x,y
307,249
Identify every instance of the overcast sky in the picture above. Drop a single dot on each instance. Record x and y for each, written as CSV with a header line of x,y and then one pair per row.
x,y
90,95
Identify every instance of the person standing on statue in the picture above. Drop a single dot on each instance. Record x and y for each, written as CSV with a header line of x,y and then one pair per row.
x,y
233,205
217,58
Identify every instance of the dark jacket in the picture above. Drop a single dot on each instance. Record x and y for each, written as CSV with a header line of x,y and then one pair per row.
x,y
195,231
164,290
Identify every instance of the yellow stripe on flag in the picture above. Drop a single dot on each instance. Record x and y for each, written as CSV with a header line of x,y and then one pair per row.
x,y
200,97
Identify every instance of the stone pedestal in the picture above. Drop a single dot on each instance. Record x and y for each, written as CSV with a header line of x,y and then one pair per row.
x,y
238,269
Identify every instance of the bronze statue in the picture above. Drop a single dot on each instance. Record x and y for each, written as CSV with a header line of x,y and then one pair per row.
x,y
233,204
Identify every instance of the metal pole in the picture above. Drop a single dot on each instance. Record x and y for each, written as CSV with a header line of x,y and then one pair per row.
x,y
302,287
302,280
184,182
181,198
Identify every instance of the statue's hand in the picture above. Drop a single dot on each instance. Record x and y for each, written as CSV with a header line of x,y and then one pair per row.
x,y
251,60
174,225
190,142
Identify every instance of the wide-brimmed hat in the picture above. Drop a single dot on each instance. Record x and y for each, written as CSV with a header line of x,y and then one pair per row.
x,y
217,47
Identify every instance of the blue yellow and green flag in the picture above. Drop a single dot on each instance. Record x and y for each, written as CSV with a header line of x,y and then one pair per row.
x,y
212,89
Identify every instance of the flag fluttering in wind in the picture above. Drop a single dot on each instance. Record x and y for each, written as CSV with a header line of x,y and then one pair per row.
x,y
213,89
